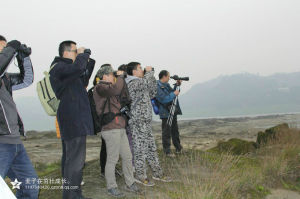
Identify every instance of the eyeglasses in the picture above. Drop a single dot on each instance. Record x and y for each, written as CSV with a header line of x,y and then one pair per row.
x,y
74,51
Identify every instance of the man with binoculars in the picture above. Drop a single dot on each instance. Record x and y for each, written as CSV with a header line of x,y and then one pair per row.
x,y
14,161
111,96
69,76
142,88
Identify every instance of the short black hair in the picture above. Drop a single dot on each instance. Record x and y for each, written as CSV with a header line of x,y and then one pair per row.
x,y
163,73
64,46
105,65
132,66
2,38
123,67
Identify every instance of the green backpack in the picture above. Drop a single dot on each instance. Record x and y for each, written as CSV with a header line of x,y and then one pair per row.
x,y
46,94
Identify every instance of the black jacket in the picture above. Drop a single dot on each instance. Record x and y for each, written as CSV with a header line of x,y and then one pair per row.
x,y
14,81
69,81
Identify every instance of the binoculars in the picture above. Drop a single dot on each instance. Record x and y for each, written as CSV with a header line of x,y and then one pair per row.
x,y
24,49
145,70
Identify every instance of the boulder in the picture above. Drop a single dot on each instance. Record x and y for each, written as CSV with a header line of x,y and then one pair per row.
x,y
270,135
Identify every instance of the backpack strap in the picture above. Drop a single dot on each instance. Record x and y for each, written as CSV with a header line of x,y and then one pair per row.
x,y
52,67
104,106
109,109
48,72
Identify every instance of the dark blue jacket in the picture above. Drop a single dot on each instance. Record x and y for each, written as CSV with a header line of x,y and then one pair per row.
x,y
165,95
69,81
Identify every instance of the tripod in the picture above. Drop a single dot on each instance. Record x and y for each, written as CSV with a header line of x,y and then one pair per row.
x,y
173,109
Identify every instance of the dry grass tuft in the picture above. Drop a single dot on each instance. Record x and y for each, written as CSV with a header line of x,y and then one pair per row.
x,y
208,175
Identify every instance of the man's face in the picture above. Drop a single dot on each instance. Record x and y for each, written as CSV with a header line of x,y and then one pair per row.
x,y
71,53
2,45
167,78
138,72
109,78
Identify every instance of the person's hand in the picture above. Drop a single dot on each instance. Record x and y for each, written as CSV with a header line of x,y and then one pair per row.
x,y
176,92
14,44
179,82
148,68
80,50
88,51
119,72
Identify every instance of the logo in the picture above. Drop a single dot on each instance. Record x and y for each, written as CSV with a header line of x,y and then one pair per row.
x,y
16,184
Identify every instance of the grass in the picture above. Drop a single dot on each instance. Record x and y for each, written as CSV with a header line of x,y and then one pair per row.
x,y
211,174
228,176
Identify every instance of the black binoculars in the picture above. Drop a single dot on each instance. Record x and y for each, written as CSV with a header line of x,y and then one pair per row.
x,y
145,70
24,49
116,75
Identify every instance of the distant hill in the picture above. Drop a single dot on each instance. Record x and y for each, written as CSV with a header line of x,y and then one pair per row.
x,y
243,94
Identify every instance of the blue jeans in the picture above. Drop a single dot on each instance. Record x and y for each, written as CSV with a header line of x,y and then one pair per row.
x,y
15,164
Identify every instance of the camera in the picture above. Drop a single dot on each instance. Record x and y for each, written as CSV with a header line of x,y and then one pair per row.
x,y
25,50
125,111
176,77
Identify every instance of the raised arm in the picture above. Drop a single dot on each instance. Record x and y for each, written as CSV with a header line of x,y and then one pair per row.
x,y
107,89
69,72
164,97
25,77
144,84
88,72
152,84
6,56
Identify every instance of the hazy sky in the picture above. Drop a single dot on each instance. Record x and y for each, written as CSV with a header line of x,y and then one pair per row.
x,y
198,38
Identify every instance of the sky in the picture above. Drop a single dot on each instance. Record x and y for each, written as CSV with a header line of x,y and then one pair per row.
x,y
202,39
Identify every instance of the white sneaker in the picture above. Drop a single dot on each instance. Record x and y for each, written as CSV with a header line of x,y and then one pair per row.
x,y
163,178
145,182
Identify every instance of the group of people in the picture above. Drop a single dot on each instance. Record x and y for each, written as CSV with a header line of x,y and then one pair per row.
x,y
122,101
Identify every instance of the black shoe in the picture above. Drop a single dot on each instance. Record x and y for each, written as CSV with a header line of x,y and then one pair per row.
x,y
102,175
178,151
170,155
133,188
115,192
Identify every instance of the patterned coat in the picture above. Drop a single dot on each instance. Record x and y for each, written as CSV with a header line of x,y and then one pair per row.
x,y
141,91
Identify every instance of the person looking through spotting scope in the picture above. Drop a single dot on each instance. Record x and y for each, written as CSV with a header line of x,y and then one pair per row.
x,y
165,96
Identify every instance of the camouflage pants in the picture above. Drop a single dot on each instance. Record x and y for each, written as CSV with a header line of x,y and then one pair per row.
x,y
144,149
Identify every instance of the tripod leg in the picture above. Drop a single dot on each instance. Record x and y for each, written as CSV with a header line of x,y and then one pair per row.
x,y
172,112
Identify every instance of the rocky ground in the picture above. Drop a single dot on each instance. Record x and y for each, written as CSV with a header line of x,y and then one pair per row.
x,y
45,148
195,134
